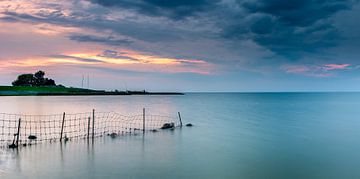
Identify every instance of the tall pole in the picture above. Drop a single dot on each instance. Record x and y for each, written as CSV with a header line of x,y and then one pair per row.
x,y
82,82
143,120
18,133
180,119
93,123
62,127
88,133
88,81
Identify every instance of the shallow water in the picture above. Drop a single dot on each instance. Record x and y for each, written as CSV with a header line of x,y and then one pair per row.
x,y
236,135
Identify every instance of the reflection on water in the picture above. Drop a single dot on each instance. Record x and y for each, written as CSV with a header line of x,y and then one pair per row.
x,y
41,105
274,135
101,157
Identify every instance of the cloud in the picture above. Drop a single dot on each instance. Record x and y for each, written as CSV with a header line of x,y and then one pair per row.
x,y
289,28
75,58
324,70
329,67
299,13
116,55
110,40
172,9
143,31
300,69
127,60
237,35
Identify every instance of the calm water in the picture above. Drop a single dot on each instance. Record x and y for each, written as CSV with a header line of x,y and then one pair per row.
x,y
259,135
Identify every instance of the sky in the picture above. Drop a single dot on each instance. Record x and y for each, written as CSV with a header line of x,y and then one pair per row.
x,y
187,45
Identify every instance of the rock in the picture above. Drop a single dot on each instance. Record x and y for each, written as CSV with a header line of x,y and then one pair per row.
x,y
189,125
13,146
168,125
32,137
66,138
113,135
154,130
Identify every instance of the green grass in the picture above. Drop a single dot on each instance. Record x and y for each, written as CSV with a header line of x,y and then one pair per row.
x,y
27,90
42,89
56,91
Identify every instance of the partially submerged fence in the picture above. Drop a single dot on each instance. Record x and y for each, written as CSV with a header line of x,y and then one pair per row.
x,y
18,129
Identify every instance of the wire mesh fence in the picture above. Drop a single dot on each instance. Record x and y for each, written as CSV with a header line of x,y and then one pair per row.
x,y
19,129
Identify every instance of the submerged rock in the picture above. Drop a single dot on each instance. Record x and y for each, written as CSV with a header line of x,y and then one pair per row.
x,y
13,146
32,137
113,135
189,125
66,138
168,125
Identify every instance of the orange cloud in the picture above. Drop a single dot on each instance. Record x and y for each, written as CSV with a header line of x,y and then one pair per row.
x,y
127,60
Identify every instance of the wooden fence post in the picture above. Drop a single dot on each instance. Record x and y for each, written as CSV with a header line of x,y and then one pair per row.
x,y
88,131
180,119
18,133
62,127
93,124
143,120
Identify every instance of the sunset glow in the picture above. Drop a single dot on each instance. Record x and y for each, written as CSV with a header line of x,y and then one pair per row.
x,y
236,46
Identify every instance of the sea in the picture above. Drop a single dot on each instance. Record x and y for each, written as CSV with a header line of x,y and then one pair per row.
x,y
234,135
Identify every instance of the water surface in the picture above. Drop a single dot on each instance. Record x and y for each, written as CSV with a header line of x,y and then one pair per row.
x,y
236,135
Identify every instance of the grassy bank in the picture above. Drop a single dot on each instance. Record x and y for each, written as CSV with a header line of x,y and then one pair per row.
x,y
61,91
43,90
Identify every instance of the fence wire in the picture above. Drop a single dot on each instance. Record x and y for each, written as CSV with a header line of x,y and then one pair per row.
x,y
51,128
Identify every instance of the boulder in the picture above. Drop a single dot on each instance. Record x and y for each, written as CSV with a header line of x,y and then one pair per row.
x,y
32,137
13,146
113,135
66,138
168,125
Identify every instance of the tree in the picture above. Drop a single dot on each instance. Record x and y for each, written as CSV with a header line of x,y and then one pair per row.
x,y
39,78
49,82
36,79
24,80
39,75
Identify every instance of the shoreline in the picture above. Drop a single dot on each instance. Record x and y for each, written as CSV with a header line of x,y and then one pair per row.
x,y
95,94
65,91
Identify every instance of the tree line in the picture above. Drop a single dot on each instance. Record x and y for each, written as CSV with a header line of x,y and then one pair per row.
x,y
37,79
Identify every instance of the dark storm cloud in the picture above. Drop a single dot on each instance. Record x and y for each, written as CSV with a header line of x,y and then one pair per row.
x,y
142,31
296,12
40,18
288,28
170,8
104,40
